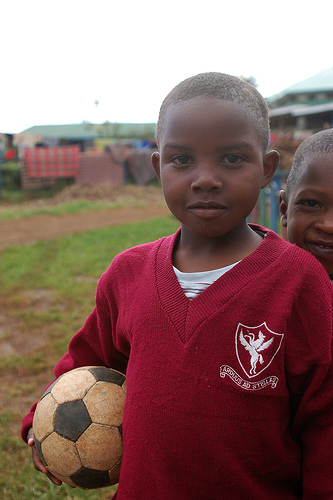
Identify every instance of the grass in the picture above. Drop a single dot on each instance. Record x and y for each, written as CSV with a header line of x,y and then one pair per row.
x,y
47,290
78,206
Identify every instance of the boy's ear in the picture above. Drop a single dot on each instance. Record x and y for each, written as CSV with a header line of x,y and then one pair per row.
x,y
283,205
155,159
271,163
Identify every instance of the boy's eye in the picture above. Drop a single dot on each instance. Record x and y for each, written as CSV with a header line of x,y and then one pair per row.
x,y
181,159
231,159
311,203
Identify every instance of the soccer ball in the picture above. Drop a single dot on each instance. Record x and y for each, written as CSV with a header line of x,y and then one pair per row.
x,y
77,426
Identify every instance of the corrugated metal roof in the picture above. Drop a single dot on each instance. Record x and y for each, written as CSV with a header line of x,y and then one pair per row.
x,y
301,109
88,130
320,82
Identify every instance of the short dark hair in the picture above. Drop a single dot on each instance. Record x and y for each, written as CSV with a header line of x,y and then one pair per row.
x,y
321,142
227,88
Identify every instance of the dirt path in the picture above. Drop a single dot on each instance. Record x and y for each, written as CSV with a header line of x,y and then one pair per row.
x,y
45,227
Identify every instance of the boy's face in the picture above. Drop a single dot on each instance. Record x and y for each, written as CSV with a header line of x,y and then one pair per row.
x,y
308,212
211,165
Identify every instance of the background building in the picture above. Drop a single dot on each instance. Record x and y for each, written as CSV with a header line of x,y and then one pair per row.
x,y
304,108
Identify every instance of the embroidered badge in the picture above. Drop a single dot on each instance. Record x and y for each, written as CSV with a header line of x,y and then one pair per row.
x,y
256,347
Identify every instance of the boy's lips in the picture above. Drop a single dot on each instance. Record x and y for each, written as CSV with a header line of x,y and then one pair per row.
x,y
207,209
206,204
321,249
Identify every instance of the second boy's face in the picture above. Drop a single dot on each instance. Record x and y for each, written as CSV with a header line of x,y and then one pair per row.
x,y
308,213
210,165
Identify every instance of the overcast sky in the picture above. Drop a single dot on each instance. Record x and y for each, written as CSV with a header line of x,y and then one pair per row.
x,y
59,57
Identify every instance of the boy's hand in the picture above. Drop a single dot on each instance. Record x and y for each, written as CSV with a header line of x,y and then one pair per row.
x,y
37,461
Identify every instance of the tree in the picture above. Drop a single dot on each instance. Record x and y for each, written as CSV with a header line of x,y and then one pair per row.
x,y
250,79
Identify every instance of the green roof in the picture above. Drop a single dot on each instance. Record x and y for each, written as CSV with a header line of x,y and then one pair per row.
x,y
87,130
321,82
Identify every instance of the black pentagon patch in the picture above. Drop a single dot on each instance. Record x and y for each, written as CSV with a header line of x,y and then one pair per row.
x,y
89,478
39,451
72,419
104,374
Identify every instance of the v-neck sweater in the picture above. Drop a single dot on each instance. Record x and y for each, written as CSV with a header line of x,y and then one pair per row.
x,y
229,395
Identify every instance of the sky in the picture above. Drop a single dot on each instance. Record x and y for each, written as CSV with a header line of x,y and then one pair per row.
x,y
105,60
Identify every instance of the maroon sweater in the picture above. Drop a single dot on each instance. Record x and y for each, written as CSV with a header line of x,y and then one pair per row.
x,y
229,396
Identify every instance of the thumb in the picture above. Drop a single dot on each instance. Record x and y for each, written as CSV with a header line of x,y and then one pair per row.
x,y
30,437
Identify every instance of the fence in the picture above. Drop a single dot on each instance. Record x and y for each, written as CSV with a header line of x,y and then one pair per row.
x,y
266,212
1,163
92,168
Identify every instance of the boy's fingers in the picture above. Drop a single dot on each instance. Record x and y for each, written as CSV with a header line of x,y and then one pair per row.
x,y
30,437
54,479
39,464
37,461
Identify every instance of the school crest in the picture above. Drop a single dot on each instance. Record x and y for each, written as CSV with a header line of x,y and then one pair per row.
x,y
256,347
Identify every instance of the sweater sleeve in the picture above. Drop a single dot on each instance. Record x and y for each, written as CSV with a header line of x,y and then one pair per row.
x,y
92,345
310,379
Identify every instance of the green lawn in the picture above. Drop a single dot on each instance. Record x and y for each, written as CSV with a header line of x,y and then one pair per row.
x,y
47,290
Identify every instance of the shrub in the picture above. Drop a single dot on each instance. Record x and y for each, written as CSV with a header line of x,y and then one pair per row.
x,y
10,175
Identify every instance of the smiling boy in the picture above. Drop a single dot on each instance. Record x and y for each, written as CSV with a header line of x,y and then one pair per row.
x,y
306,207
229,386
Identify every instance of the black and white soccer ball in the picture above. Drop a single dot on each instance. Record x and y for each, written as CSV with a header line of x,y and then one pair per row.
x,y
77,426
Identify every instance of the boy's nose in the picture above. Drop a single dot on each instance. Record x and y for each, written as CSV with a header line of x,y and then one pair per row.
x,y
207,179
325,223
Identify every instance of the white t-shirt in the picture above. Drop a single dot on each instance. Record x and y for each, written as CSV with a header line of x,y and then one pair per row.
x,y
194,283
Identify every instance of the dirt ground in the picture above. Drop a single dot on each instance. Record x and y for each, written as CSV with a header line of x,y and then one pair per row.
x,y
43,227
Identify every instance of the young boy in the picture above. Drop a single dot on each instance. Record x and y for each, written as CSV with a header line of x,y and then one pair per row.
x,y
229,395
306,207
